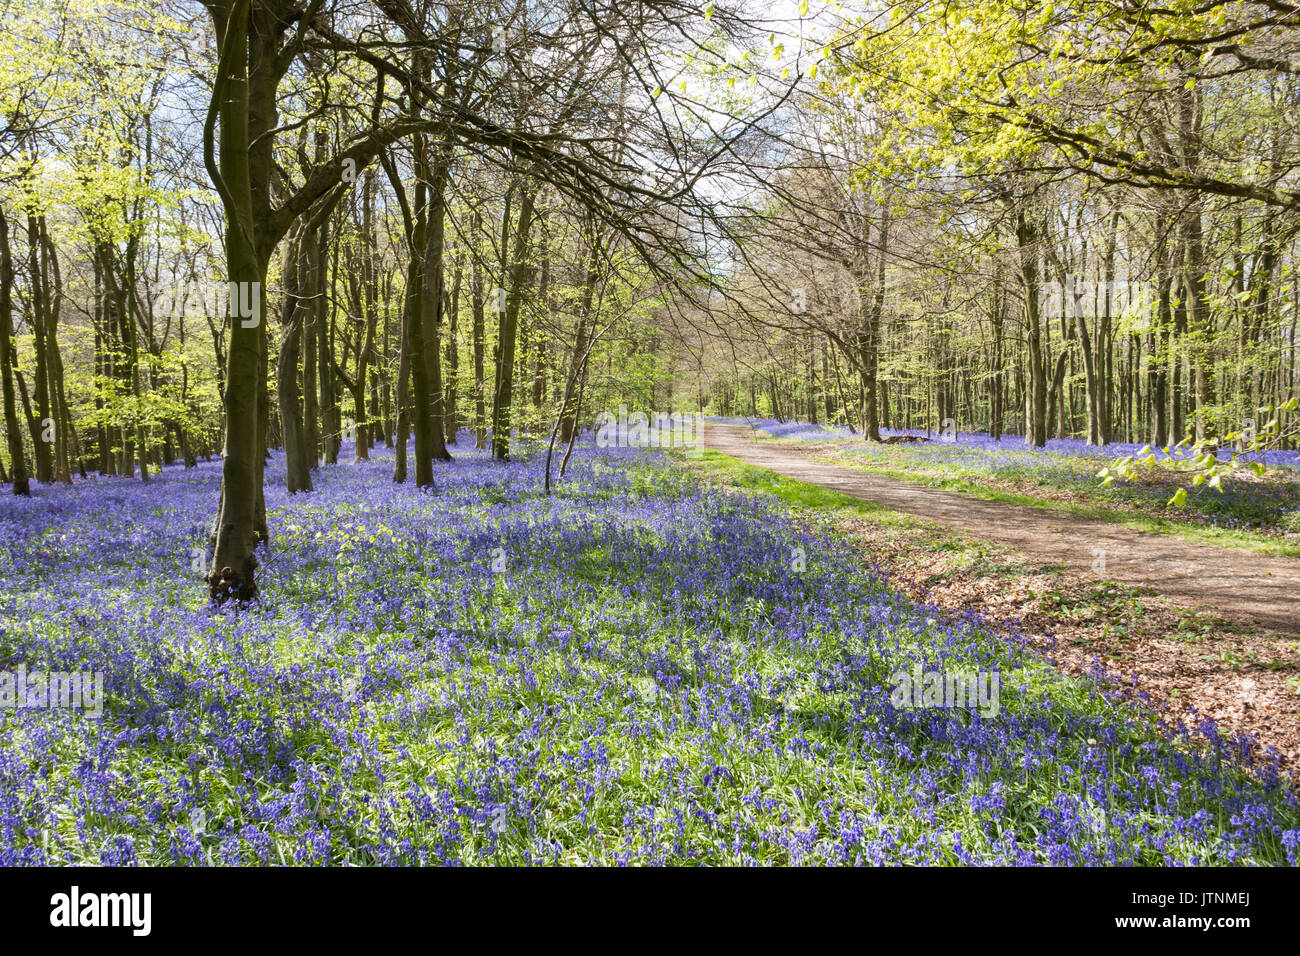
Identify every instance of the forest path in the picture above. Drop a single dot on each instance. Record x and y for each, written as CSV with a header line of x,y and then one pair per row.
x,y
1232,583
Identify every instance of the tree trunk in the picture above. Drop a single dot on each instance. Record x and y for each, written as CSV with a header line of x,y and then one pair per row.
x,y
297,458
8,362
1036,394
480,336
504,396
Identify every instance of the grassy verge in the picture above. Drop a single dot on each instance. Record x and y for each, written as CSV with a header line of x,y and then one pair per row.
x,y
720,466
1093,504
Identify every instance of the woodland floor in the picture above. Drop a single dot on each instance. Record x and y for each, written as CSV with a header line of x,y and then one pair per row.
x,y
1192,625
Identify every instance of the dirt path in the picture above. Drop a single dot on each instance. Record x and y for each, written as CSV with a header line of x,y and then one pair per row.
x,y
1234,584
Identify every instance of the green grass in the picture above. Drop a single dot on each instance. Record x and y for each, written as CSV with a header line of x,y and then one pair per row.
x,y
717,465
817,498
1156,524
1117,504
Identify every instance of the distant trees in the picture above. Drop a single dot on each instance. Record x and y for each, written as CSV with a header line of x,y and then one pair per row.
x,y
1092,218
